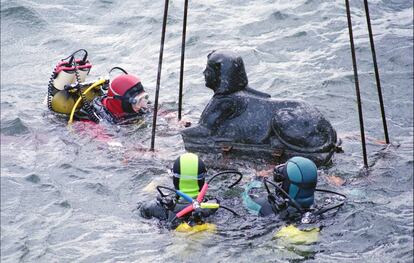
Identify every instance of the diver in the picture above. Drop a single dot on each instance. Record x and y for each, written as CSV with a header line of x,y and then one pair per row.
x,y
125,102
120,100
295,186
187,202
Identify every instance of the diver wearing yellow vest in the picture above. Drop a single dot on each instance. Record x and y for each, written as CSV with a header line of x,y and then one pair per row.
x,y
188,202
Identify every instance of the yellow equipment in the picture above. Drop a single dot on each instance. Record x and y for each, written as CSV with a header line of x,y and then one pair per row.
x,y
62,102
292,235
95,85
186,228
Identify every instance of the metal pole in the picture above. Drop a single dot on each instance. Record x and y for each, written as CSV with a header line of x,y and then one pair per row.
x,y
180,94
361,119
157,91
374,59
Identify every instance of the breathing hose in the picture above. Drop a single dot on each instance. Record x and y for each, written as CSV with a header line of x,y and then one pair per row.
x,y
86,105
94,85
50,91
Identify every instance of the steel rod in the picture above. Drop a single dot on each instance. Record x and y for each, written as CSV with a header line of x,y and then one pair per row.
x,y
361,119
377,78
180,94
157,90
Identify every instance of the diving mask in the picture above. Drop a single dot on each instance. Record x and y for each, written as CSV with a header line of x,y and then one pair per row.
x,y
278,175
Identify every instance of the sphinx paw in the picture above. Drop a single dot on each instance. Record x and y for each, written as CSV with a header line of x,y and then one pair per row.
x,y
196,131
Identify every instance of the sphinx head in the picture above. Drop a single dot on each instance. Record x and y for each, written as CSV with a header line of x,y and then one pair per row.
x,y
225,73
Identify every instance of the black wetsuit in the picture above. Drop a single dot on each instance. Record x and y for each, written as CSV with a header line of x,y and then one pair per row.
x,y
266,208
262,205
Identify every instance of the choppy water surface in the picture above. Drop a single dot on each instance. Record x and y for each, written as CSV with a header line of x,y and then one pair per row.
x,y
68,197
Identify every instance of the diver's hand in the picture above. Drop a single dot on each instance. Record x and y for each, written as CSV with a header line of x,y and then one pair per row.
x,y
171,117
197,131
267,172
185,123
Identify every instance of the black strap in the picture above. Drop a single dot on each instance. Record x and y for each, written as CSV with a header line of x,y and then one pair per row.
x,y
118,68
324,210
227,172
292,201
229,209
159,187
330,192
297,206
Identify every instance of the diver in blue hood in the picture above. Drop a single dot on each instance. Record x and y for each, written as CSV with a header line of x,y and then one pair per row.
x,y
295,186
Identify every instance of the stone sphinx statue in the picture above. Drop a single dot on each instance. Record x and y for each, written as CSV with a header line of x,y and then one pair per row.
x,y
241,121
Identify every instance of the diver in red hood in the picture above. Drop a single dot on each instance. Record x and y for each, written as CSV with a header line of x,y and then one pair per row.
x,y
125,101
120,100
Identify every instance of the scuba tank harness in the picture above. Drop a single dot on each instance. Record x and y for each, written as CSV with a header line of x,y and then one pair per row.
x,y
197,204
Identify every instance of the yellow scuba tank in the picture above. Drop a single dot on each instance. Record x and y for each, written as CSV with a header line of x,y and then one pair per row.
x,y
63,102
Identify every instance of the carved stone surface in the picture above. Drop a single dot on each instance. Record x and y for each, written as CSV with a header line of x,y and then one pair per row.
x,y
244,122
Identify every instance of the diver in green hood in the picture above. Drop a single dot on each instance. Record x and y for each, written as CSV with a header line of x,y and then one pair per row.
x,y
187,201
189,173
